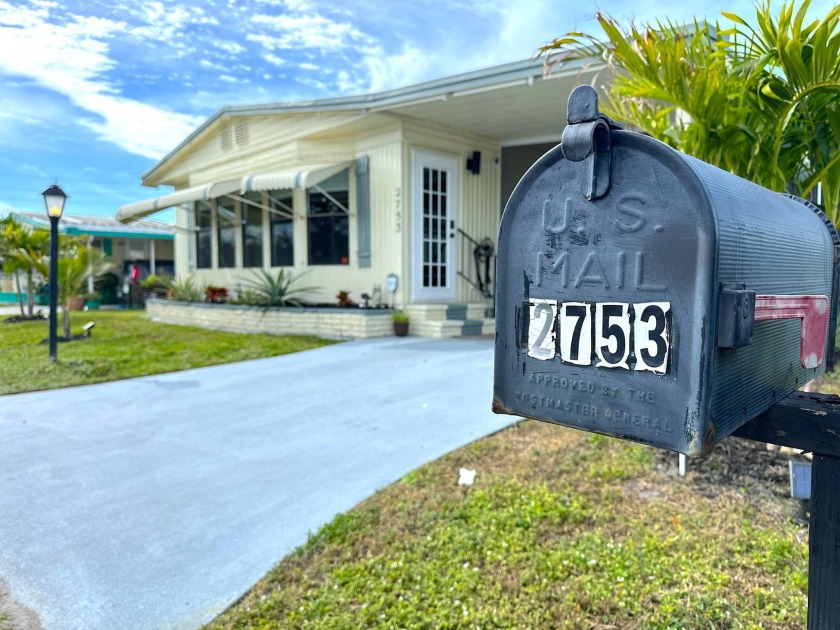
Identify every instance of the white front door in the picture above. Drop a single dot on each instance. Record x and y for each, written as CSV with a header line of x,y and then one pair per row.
x,y
434,205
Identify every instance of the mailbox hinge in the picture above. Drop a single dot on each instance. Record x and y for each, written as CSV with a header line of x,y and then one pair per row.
x,y
587,138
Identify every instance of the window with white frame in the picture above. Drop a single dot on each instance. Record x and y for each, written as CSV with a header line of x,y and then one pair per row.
x,y
328,221
281,217
226,224
252,229
203,235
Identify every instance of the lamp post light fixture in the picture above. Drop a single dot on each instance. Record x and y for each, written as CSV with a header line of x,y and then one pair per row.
x,y
54,199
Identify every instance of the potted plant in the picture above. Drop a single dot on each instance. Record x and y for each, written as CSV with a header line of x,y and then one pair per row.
x,y
400,323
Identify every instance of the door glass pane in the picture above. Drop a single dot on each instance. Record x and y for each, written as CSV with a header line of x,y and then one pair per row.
x,y
435,227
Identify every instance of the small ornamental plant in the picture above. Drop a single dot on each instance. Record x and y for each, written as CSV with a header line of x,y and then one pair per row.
x,y
344,300
400,323
400,317
216,294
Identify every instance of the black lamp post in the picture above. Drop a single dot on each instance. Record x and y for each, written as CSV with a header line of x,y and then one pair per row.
x,y
54,199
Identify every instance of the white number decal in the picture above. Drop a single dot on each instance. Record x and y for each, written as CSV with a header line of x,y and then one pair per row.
x,y
541,330
612,334
576,333
651,334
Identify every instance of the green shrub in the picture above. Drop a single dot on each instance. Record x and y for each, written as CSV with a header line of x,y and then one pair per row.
x,y
266,289
186,290
400,317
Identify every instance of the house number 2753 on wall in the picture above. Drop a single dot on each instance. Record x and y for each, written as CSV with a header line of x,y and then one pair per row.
x,y
602,332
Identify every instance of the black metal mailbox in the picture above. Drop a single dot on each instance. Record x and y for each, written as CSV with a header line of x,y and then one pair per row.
x,y
645,294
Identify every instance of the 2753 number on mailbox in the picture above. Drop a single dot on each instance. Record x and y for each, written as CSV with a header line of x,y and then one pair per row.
x,y
612,334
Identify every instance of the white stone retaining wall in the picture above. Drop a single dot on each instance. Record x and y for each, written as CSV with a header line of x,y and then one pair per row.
x,y
323,322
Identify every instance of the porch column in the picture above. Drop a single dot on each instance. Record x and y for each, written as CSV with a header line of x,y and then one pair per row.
x,y
90,268
151,255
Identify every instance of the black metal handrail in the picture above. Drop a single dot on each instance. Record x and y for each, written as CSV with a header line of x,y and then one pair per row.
x,y
475,261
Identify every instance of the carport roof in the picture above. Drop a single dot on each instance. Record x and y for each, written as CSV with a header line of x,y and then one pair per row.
x,y
514,103
101,227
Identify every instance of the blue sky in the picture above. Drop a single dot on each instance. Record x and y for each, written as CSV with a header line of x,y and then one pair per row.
x,y
92,92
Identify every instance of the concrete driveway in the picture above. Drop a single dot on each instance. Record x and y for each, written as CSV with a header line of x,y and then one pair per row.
x,y
156,502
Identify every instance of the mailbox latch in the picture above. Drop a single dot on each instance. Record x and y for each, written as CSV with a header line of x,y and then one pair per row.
x,y
587,138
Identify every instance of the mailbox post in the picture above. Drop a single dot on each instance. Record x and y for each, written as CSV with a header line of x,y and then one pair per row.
x,y
647,295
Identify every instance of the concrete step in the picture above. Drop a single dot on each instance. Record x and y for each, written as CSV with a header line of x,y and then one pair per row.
x,y
439,312
452,327
449,320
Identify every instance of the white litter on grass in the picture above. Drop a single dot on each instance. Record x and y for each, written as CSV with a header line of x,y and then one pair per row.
x,y
467,477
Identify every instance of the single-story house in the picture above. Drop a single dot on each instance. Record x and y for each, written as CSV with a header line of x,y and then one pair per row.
x,y
148,244
407,184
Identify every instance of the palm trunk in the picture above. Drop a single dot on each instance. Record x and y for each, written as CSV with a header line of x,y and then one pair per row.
x,y
30,296
19,293
65,318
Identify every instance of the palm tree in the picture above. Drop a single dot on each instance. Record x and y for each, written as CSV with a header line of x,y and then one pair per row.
x,y
76,263
762,102
23,250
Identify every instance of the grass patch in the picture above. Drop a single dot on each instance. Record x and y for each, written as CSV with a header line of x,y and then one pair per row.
x,y
125,344
563,530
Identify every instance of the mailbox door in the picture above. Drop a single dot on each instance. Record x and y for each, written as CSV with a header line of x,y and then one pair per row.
x,y
604,307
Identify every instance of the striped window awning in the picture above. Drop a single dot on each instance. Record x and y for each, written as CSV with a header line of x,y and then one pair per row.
x,y
297,177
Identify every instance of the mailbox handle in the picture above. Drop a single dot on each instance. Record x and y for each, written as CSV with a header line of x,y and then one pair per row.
x,y
586,139
811,309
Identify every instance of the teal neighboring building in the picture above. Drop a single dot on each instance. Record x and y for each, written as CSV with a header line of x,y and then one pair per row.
x,y
146,243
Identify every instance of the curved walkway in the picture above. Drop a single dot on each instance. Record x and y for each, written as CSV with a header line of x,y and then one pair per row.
x,y
156,502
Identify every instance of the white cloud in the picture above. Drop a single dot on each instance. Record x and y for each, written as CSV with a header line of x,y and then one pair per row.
x,y
308,31
72,60
34,170
309,66
274,59
231,48
163,23
210,65
386,71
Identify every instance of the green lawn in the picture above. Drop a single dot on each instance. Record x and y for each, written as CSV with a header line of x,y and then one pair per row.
x,y
562,530
125,344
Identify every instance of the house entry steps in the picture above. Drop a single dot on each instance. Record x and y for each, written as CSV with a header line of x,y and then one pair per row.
x,y
450,320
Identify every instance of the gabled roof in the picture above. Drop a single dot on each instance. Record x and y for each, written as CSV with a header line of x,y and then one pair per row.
x,y
102,227
511,102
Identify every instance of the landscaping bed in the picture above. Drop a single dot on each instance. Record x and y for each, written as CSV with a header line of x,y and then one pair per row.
x,y
347,323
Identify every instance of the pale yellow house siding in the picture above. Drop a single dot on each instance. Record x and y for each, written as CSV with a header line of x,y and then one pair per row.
x,y
268,140
280,142
383,151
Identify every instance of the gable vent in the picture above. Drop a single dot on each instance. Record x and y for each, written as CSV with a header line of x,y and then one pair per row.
x,y
241,134
224,139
